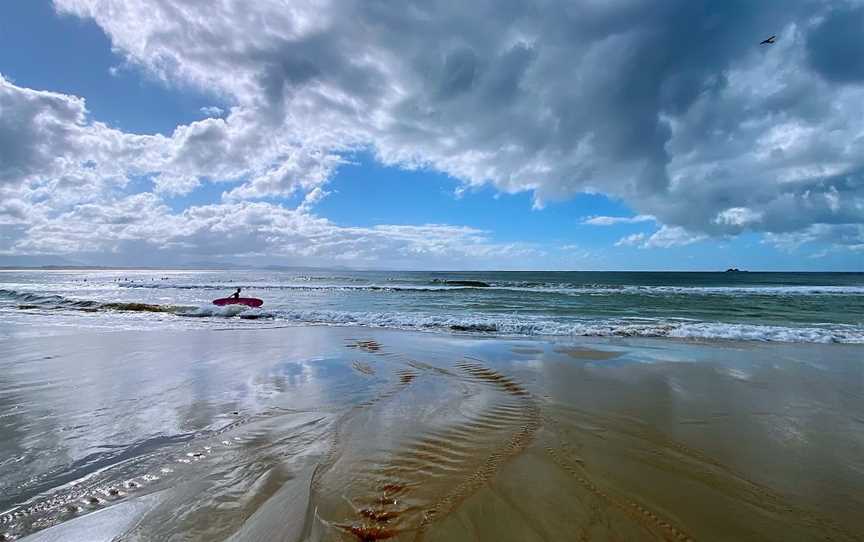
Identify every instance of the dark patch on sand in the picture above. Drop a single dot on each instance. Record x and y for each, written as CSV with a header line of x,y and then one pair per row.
x,y
526,350
368,345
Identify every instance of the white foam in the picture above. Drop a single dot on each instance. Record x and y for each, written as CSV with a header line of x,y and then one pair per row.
x,y
556,288
523,325
458,320
226,311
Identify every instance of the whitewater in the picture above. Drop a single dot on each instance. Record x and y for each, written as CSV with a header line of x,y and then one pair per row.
x,y
776,307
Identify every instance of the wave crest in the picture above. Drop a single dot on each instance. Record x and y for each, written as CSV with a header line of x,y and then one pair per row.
x,y
508,325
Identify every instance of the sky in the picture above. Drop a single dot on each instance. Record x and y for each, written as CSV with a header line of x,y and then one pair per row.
x,y
577,134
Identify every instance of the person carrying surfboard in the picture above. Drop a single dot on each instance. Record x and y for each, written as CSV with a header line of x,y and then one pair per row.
x,y
235,299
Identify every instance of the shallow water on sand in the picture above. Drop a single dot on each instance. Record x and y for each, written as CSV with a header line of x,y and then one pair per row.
x,y
359,434
771,307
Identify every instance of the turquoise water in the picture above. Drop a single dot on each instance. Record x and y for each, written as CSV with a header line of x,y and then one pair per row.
x,y
789,307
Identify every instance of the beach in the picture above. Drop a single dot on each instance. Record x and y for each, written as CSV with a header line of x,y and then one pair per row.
x,y
533,271
352,433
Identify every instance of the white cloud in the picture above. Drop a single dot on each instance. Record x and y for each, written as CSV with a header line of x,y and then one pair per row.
x,y
613,220
13,211
142,224
710,136
65,197
672,236
665,237
48,143
738,216
312,198
298,169
45,136
212,111
635,239
845,237
681,129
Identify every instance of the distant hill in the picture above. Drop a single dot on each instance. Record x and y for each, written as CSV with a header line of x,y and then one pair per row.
x,y
38,262
57,262
208,265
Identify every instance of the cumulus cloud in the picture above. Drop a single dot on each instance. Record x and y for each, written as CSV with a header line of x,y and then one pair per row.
x,y
63,173
142,223
297,169
50,145
665,237
555,97
702,129
45,136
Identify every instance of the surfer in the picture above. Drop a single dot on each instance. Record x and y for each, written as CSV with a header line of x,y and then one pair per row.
x,y
236,294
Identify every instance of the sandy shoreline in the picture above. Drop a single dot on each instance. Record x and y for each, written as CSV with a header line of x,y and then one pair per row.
x,y
357,434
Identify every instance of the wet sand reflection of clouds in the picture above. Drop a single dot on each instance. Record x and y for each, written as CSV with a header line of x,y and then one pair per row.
x,y
515,438
588,353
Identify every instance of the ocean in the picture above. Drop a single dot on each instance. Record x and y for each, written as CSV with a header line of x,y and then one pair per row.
x,y
507,406
742,306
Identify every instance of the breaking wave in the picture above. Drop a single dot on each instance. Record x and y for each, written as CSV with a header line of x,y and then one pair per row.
x,y
472,323
31,301
539,287
523,326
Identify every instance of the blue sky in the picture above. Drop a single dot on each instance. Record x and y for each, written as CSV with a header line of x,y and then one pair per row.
x,y
43,50
361,189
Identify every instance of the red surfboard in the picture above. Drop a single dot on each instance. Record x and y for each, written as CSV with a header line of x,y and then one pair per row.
x,y
248,301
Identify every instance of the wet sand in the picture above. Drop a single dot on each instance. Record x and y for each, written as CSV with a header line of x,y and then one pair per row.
x,y
357,434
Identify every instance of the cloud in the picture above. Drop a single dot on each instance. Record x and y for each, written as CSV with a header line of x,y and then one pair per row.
x,y
848,237
635,239
212,111
830,50
672,236
64,180
556,98
738,216
13,211
613,220
312,198
142,225
298,169
49,145
45,135
665,237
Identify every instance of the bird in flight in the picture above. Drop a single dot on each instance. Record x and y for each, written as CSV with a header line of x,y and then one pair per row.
x,y
769,41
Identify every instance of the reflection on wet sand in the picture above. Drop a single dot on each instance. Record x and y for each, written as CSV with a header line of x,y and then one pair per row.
x,y
588,353
427,473
403,436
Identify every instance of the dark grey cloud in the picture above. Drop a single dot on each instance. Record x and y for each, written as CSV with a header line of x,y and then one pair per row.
x,y
835,47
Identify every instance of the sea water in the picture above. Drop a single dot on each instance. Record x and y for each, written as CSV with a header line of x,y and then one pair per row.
x,y
785,307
